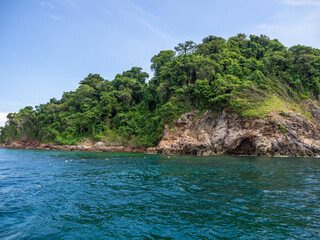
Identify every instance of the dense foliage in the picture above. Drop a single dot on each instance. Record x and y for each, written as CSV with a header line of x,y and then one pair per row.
x,y
241,74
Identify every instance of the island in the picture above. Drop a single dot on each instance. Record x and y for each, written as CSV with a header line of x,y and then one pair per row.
x,y
240,96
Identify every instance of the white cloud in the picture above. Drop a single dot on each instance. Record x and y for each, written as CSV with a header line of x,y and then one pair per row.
x,y
46,4
3,118
303,2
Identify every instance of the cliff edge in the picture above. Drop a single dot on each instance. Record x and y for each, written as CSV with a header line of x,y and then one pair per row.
x,y
285,134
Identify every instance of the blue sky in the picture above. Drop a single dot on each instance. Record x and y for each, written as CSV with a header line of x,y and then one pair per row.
x,y
48,46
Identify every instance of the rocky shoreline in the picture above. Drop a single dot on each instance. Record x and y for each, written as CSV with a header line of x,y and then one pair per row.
x,y
195,133
84,146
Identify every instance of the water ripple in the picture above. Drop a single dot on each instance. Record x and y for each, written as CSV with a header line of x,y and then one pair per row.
x,y
45,195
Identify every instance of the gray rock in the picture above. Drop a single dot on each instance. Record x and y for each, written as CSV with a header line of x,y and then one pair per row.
x,y
231,134
99,145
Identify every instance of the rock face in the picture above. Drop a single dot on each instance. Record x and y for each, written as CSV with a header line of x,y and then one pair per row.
x,y
286,134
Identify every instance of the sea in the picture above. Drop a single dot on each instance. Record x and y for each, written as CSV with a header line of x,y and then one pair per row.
x,y
78,195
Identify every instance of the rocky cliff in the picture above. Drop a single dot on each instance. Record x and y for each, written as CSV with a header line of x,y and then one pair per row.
x,y
284,134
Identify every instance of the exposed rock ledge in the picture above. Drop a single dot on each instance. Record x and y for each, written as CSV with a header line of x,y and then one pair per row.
x,y
288,134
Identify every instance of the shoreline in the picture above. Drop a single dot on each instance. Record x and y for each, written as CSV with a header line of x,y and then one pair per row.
x,y
122,149
75,148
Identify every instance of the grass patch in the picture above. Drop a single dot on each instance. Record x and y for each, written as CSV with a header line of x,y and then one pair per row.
x,y
273,104
282,129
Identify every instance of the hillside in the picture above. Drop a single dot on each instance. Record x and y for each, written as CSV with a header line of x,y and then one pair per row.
x,y
254,78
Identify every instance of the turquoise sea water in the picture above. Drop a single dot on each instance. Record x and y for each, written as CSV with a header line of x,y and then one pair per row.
x,y
45,195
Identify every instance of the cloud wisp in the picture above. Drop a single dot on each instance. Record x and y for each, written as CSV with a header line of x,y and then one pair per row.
x,y
46,4
49,10
144,18
303,2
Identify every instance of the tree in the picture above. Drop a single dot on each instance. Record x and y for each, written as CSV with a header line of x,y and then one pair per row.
x,y
92,80
136,73
211,45
187,47
161,59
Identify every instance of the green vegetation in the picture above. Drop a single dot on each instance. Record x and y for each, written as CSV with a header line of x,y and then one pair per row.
x,y
282,129
251,76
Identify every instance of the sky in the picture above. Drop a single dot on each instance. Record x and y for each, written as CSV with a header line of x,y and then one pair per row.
x,y
48,46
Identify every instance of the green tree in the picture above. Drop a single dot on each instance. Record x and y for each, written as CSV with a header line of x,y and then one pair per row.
x,y
186,47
